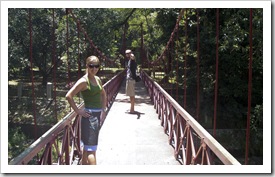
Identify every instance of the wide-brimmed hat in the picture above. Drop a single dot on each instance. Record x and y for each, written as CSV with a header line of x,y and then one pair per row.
x,y
128,51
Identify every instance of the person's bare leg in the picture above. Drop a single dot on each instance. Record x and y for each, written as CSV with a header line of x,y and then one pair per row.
x,y
91,158
84,160
132,100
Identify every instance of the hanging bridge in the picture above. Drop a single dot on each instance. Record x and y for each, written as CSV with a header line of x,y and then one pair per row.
x,y
161,132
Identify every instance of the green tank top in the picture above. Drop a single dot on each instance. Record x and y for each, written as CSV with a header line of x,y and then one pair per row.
x,y
91,95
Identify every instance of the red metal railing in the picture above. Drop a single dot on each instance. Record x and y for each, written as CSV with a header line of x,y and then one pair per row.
x,y
61,144
192,143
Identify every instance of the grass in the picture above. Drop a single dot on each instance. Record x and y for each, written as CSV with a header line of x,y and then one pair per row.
x,y
13,83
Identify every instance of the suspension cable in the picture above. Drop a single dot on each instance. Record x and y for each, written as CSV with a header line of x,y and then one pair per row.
x,y
177,68
217,70
92,45
31,63
171,68
249,89
54,63
78,51
198,67
185,60
67,44
171,37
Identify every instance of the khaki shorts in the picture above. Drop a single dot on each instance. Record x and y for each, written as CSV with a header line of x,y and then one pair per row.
x,y
130,87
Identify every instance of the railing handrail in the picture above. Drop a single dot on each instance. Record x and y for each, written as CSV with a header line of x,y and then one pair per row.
x,y
211,142
48,136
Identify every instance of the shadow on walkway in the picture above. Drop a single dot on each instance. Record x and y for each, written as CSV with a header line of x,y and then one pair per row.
x,y
135,113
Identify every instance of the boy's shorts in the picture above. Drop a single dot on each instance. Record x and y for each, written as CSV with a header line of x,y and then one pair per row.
x,y
130,87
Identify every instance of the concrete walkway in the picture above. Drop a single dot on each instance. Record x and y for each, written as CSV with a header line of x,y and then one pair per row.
x,y
134,139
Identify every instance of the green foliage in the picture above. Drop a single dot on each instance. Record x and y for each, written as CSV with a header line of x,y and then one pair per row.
x,y
256,124
18,142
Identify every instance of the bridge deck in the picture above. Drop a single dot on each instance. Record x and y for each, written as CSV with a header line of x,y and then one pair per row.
x,y
133,139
